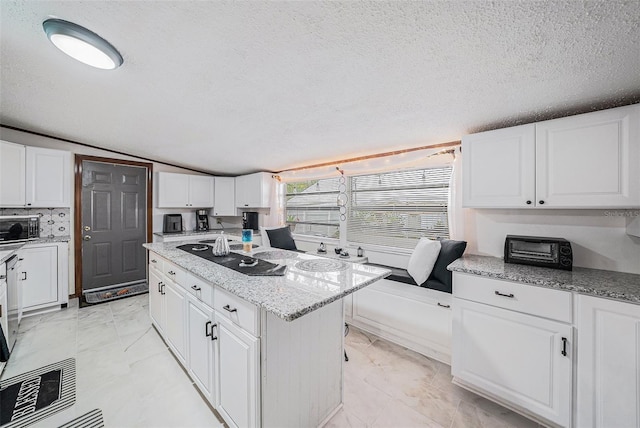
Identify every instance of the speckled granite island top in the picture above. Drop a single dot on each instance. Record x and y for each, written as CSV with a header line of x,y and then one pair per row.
x,y
602,283
310,282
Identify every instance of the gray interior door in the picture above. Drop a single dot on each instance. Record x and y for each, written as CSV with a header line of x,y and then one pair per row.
x,y
114,204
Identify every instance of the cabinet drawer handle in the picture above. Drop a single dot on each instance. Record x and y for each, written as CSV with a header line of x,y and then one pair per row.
x,y
162,290
195,288
564,347
228,308
443,306
159,287
207,333
25,276
212,336
510,295
171,272
3,276
153,261
0,311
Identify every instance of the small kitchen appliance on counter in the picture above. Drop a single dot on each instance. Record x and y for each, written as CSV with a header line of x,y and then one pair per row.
x,y
202,220
19,228
250,220
172,223
553,253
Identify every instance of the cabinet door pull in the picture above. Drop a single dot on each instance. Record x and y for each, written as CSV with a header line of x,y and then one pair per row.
x,y
25,276
195,288
153,261
228,308
564,347
171,272
528,202
541,202
0,311
3,276
162,290
160,287
510,295
212,336
443,306
208,333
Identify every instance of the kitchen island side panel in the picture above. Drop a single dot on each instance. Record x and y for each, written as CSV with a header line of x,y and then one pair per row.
x,y
302,376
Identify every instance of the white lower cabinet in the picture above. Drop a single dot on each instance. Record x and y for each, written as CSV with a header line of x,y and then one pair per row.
x,y
175,322
415,317
43,276
237,372
514,343
608,384
200,350
156,300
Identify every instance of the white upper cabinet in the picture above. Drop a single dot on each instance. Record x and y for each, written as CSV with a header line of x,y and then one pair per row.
x,y
224,198
253,190
590,160
184,190
48,178
499,168
34,177
201,191
12,175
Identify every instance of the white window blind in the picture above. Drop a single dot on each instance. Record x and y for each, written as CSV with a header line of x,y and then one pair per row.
x,y
311,207
396,209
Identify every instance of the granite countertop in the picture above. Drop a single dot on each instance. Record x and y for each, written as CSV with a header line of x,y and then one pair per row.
x,y
596,282
310,282
186,233
8,250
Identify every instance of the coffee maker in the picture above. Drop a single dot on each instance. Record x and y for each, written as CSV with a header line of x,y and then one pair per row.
x,y
250,220
202,220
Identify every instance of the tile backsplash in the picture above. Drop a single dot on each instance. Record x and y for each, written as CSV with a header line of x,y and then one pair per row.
x,y
53,221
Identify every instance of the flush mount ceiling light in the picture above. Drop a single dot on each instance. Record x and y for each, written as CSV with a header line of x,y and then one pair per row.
x,y
82,44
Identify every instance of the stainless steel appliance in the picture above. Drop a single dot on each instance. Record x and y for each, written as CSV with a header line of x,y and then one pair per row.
x,y
14,301
172,223
202,220
19,228
553,253
250,220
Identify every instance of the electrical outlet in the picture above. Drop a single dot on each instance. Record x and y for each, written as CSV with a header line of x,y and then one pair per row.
x,y
218,220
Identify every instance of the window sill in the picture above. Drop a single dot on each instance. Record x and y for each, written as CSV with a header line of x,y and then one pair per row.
x,y
318,239
381,248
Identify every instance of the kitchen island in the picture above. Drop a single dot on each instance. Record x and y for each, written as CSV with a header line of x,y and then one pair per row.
x,y
263,350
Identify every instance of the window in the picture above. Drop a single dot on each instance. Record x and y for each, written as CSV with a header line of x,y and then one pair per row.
x,y
393,209
311,207
397,208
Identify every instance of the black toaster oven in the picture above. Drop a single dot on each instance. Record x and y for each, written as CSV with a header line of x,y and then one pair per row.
x,y
553,253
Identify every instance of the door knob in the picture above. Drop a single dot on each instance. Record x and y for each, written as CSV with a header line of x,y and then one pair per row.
x,y
87,238
87,228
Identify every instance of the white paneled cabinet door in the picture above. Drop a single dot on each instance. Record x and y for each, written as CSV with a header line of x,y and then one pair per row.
x,y
39,273
156,299
173,190
224,203
175,323
253,190
590,160
608,381
237,373
498,168
200,191
200,338
520,358
48,178
12,175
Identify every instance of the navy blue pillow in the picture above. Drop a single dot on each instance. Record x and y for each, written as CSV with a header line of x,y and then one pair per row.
x,y
281,238
450,251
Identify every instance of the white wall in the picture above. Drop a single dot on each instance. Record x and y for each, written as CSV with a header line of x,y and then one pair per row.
x,y
598,237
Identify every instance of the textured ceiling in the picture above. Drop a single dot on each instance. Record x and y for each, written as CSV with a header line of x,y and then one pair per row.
x,y
236,87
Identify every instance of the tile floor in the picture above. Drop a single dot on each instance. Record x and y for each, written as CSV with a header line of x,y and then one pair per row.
x,y
125,369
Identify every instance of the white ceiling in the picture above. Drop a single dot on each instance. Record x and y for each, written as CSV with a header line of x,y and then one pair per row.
x,y
237,87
